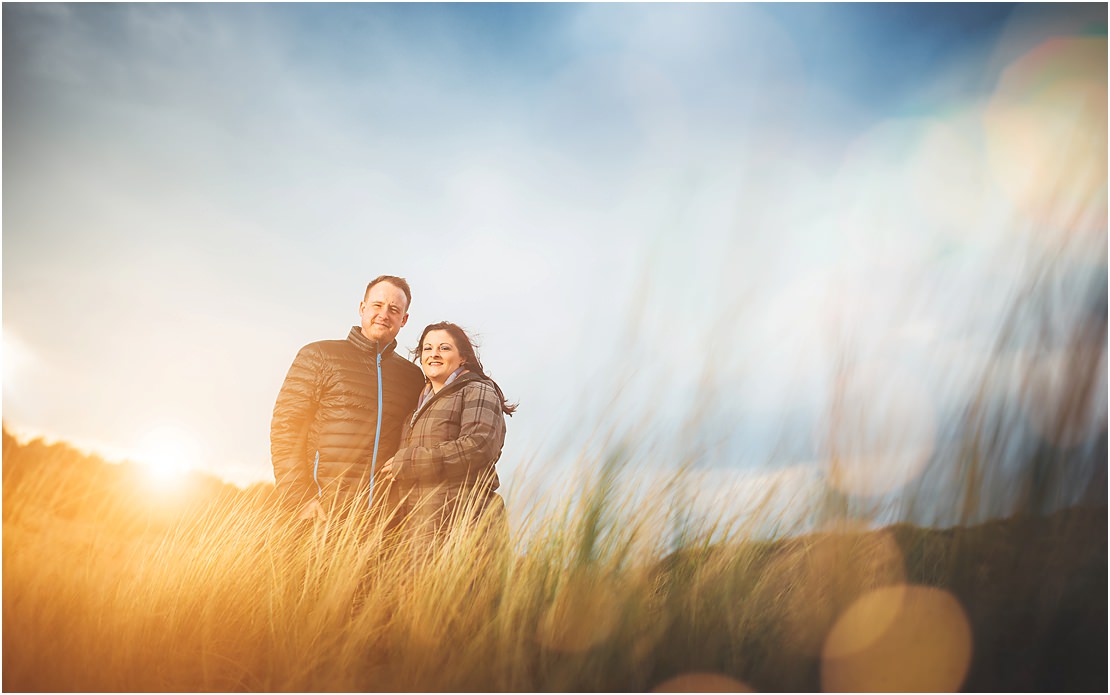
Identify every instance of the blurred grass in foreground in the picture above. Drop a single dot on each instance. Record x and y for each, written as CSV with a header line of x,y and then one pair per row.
x,y
108,588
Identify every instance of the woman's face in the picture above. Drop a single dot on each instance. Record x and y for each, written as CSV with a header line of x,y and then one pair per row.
x,y
439,356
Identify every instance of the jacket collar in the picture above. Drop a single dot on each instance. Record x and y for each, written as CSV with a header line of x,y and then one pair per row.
x,y
427,393
454,385
364,343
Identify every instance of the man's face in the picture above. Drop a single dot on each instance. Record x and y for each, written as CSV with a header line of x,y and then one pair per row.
x,y
383,312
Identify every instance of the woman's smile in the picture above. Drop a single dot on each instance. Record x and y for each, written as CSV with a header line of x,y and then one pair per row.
x,y
439,357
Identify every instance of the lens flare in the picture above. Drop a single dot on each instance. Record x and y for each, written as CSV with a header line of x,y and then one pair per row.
x,y
881,431
652,632
898,639
1046,139
948,177
1067,396
817,578
866,620
701,682
582,616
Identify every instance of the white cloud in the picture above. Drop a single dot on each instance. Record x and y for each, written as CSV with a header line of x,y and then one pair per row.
x,y
666,196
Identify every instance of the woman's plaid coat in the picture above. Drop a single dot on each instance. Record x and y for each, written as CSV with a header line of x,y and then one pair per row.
x,y
446,461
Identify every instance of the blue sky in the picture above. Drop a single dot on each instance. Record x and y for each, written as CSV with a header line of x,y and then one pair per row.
x,y
646,211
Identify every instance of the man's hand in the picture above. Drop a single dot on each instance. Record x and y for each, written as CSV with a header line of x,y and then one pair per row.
x,y
312,510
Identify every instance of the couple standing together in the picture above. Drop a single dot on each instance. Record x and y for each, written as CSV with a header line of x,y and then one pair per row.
x,y
354,421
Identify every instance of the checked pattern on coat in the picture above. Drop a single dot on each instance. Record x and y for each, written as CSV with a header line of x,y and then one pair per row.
x,y
456,436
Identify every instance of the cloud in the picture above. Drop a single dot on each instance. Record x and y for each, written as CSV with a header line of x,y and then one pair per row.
x,y
627,202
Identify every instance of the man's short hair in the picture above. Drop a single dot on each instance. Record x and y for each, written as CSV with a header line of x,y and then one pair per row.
x,y
398,282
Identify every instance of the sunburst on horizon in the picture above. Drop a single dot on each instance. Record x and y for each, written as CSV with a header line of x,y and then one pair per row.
x,y
167,453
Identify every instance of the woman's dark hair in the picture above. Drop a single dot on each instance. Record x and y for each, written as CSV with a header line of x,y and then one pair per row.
x,y
466,352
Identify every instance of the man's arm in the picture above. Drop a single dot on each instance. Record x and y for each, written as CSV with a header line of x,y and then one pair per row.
x,y
481,436
294,411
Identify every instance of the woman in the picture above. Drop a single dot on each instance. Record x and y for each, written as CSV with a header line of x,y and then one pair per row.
x,y
445,467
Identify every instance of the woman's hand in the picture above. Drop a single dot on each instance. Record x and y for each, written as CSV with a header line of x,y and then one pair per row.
x,y
312,510
387,472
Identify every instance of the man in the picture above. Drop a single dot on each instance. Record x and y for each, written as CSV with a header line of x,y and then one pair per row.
x,y
339,413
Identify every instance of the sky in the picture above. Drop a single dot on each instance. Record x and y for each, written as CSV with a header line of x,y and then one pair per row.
x,y
690,229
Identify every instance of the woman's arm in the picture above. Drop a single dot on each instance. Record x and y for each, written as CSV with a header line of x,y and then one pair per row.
x,y
481,436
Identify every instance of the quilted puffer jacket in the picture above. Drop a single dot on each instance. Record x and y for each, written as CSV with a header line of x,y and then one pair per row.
x,y
326,435
447,455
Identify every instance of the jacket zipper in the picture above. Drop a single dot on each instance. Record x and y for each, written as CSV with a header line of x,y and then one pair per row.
x,y
315,474
378,429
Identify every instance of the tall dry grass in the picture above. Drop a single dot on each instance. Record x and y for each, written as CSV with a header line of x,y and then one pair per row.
x,y
109,587
112,585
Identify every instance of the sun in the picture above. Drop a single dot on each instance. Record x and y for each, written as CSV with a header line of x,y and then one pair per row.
x,y
167,453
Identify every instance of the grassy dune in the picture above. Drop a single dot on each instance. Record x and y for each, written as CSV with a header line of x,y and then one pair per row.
x,y
109,586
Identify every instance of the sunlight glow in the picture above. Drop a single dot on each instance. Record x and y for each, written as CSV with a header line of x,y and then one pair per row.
x,y
17,358
166,453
